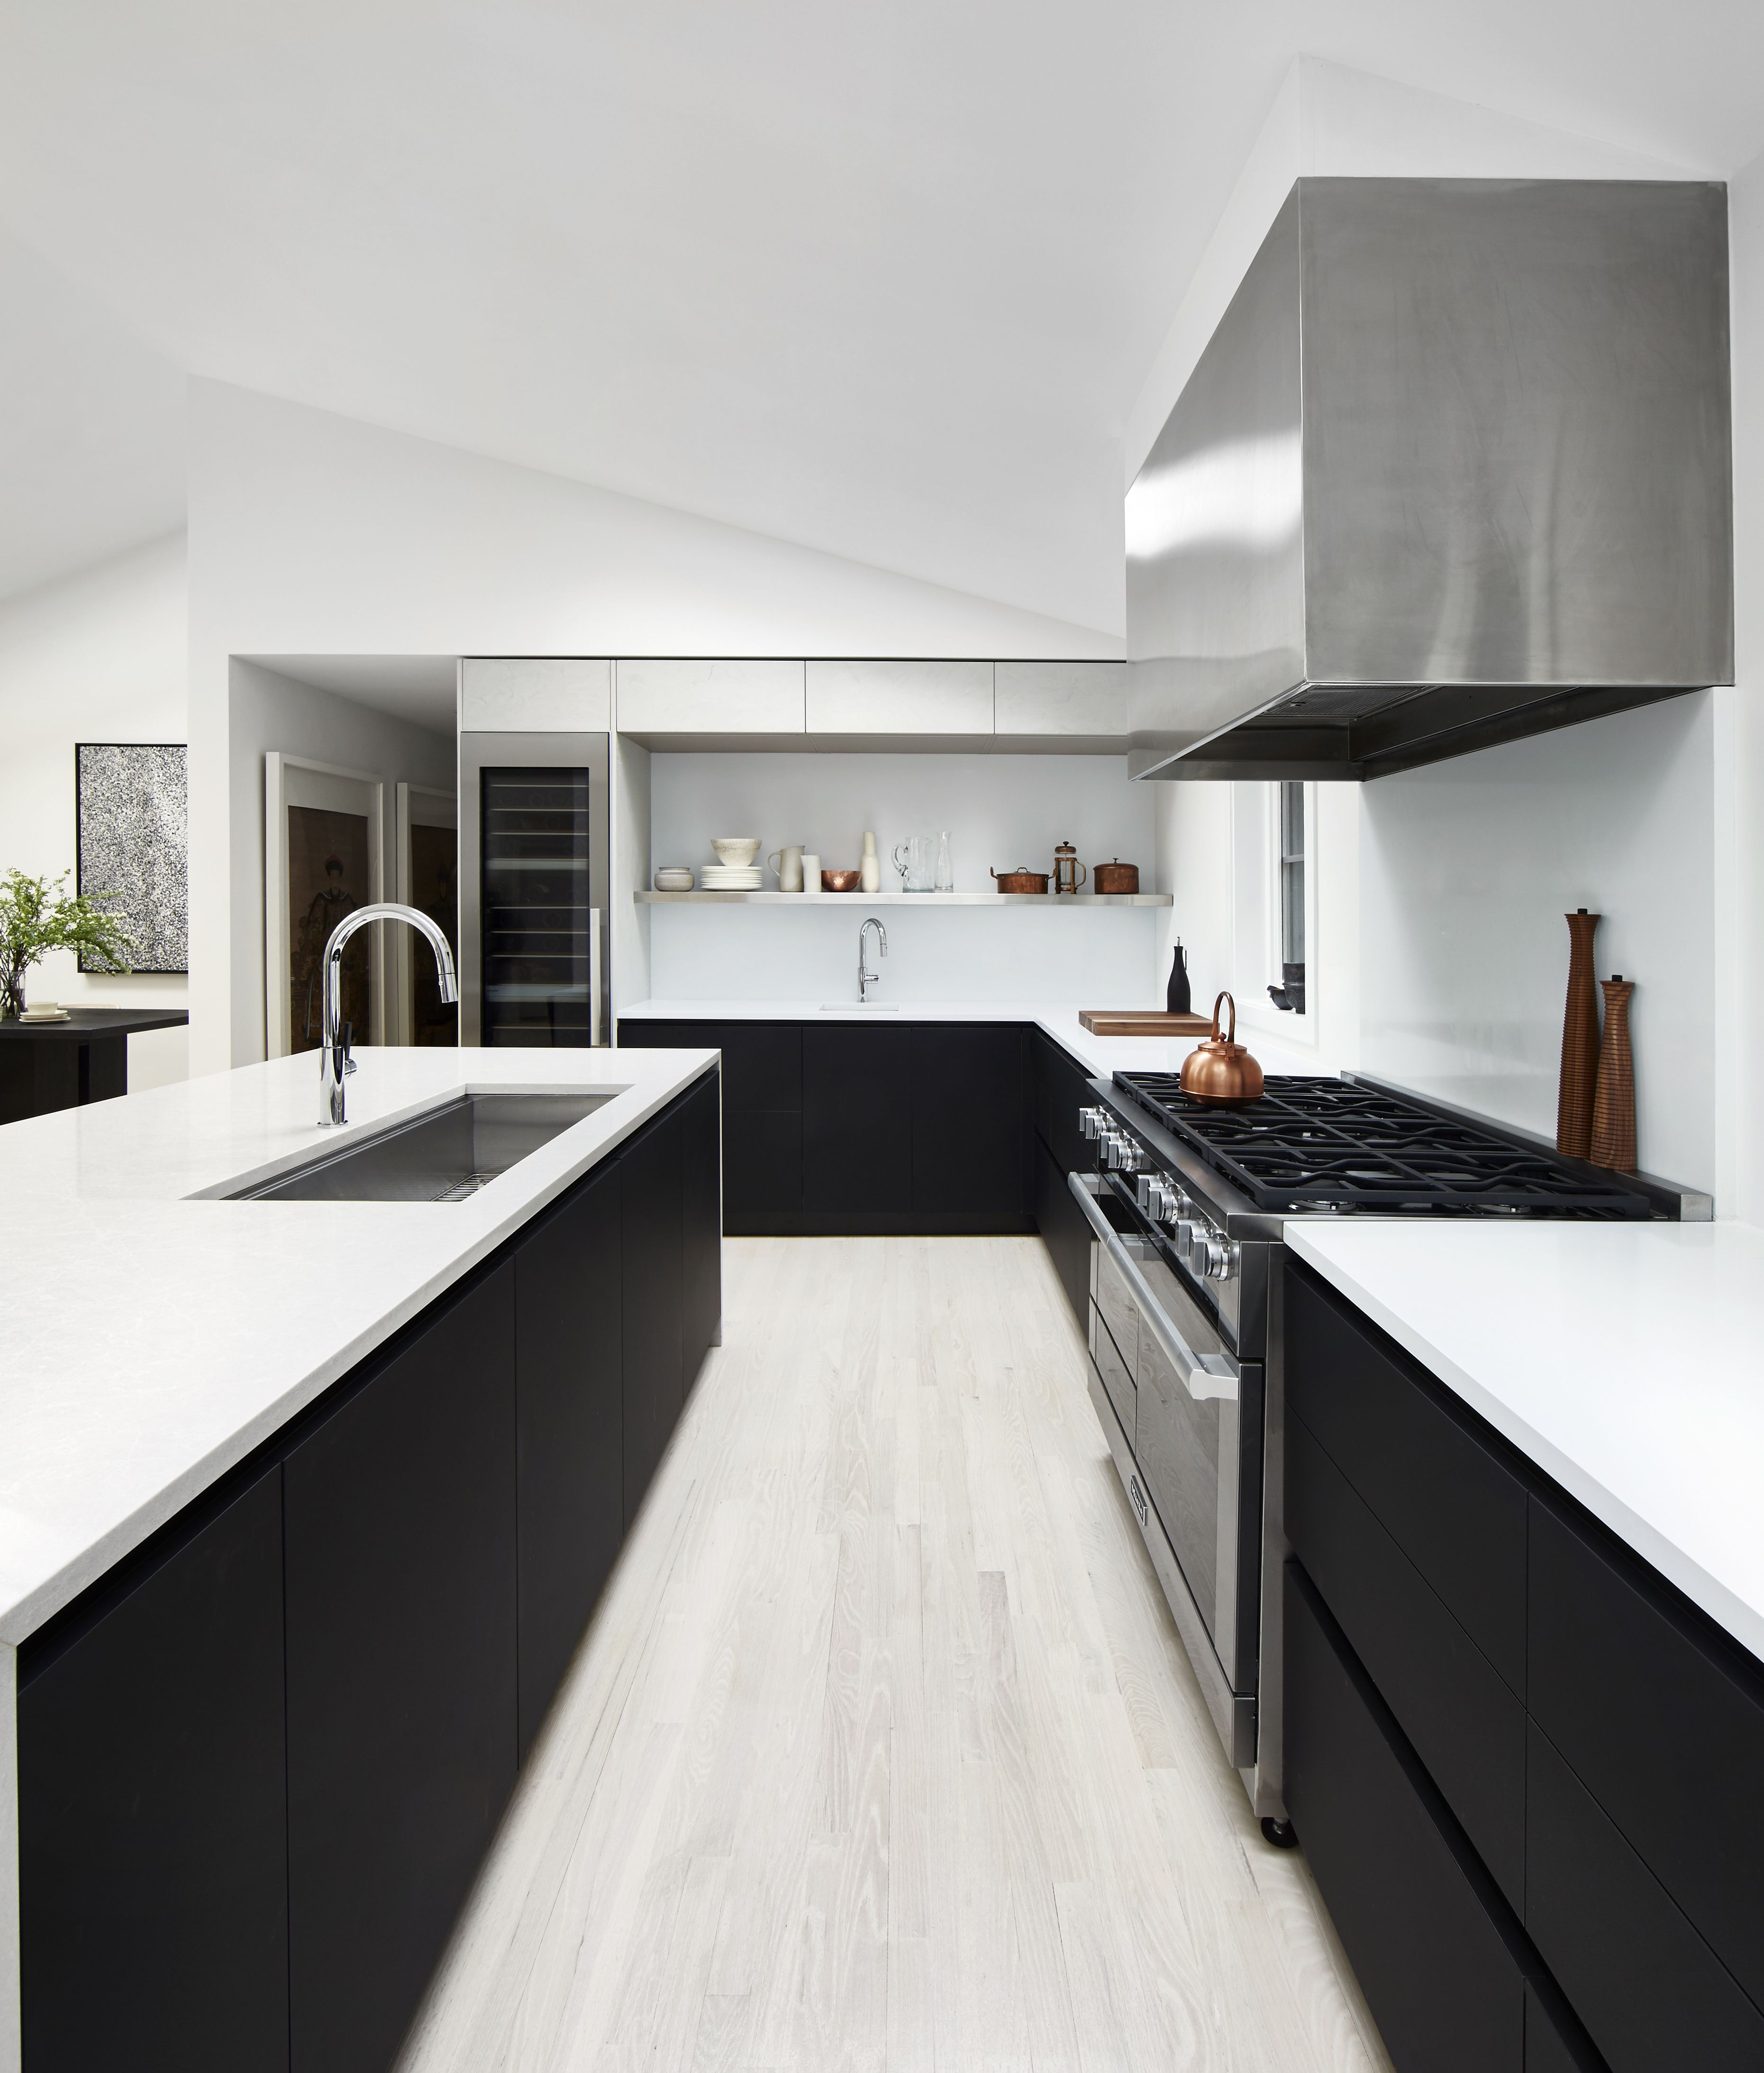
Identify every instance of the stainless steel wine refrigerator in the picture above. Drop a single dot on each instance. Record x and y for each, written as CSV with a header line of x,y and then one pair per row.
x,y
534,883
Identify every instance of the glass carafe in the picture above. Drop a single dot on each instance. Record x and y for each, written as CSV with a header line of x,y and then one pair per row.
x,y
945,878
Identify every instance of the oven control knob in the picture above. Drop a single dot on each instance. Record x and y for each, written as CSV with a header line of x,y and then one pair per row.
x,y
1189,1241
1091,1123
1164,1201
1222,1255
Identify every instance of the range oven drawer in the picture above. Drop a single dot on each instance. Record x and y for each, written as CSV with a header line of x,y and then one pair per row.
x,y
1192,1415
1116,1376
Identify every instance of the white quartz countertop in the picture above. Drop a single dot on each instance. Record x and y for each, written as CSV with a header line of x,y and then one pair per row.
x,y
1101,1055
1626,1360
151,1341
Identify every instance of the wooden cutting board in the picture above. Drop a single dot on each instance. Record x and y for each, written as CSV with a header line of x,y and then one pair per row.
x,y
1143,1022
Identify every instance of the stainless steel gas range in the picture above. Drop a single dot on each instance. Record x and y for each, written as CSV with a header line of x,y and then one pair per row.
x,y
1186,1204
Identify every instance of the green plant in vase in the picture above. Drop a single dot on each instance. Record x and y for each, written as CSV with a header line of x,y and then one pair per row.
x,y
37,917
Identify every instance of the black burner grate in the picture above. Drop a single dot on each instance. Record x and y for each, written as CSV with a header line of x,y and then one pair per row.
x,y
1321,1144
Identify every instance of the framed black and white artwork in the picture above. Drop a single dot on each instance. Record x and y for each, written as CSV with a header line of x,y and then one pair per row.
x,y
131,815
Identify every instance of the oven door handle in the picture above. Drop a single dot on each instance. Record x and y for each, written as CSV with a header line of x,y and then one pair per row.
x,y
1206,1384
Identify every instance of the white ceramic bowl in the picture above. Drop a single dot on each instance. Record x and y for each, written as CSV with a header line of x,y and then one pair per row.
x,y
737,850
674,878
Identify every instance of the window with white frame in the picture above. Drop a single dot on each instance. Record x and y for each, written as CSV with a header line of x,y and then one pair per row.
x,y
1290,823
1274,902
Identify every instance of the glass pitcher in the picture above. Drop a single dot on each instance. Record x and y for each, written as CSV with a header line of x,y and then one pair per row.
x,y
916,861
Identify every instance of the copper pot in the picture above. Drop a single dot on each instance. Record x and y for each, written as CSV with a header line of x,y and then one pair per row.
x,y
1020,881
1221,1070
1115,877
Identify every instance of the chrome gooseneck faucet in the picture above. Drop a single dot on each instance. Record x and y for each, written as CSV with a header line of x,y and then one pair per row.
x,y
333,1053
866,978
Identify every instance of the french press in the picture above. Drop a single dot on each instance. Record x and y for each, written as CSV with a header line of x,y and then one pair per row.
x,y
1069,874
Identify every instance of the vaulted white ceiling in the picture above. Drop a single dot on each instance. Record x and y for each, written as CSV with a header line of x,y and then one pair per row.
x,y
884,280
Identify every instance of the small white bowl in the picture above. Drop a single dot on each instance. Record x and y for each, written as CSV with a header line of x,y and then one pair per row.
x,y
738,851
674,878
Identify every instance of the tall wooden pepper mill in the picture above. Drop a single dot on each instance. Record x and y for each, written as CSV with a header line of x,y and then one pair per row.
x,y
1580,1042
1613,1106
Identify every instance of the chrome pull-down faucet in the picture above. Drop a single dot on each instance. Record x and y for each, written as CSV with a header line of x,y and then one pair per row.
x,y
333,1056
866,978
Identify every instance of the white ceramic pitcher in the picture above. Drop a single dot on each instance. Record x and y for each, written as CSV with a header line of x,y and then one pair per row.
x,y
786,866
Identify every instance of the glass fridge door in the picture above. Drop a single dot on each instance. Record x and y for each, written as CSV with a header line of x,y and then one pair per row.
x,y
540,943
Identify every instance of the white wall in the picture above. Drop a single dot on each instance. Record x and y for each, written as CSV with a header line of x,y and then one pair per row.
x,y
310,535
1740,735
99,656
1467,869
1440,958
1000,811
267,711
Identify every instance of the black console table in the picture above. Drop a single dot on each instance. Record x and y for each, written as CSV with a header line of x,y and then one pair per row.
x,y
46,1066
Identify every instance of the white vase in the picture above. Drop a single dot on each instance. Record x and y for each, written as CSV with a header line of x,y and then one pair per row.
x,y
869,864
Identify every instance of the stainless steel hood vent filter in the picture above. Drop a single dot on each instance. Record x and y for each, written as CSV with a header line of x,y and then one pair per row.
x,y
1456,468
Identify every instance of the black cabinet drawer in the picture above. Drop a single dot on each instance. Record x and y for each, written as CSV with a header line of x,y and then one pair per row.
x,y
1061,1090
972,1130
857,1125
569,1415
1448,1500
400,1555
1647,1987
1063,1230
153,1816
763,1170
762,1061
1555,2040
1663,1726
1411,1906
702,1224
1466,1725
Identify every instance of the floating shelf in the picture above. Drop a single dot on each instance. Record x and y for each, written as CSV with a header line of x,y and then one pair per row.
x,y
905,899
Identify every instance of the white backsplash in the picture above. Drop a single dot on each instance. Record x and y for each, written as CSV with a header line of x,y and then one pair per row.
x,y
1466,871
1001,812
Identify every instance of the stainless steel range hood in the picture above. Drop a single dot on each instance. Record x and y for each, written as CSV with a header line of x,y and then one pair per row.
x,y
1456,468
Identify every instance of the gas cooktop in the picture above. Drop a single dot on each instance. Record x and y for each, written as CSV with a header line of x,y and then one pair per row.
x,y
1327,1144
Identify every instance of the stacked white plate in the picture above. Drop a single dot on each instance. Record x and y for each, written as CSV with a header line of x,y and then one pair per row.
x,y
729,878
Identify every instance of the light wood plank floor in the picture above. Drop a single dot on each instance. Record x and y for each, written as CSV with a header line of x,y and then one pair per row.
x,y
882,1750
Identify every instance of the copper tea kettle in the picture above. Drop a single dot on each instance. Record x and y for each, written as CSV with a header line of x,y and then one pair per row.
x,y
1221,1070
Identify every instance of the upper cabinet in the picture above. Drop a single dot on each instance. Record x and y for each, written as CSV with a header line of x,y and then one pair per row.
x,y
697,698
535,695
1072,706
866,699
683,703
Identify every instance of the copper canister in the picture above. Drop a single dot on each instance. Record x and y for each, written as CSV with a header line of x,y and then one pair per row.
x,y
1115,877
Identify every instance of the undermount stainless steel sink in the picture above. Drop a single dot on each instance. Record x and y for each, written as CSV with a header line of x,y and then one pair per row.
x,y
442,1156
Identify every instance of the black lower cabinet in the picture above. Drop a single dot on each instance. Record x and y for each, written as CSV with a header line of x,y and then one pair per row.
x,y
701,1225
152,1820
1465,1726
839,1128
857,1127
1421,1921
569,1418
652,1279
973,1128
399,1512
1647,1986
1063,1229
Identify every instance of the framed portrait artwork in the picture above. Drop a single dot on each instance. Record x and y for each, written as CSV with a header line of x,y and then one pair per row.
x,y
324,844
